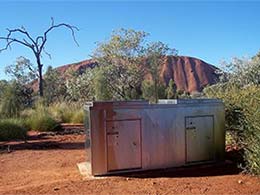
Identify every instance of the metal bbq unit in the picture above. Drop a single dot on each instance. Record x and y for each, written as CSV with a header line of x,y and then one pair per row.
x,y
128,136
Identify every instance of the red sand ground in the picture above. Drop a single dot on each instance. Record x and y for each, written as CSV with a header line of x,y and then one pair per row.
x,y
47,165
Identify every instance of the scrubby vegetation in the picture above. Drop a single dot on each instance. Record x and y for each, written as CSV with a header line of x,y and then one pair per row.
x,y
240,92
44,117
67,112
42,121
242,114
12,129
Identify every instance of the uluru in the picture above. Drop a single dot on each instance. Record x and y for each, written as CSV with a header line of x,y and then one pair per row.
x,y
189,74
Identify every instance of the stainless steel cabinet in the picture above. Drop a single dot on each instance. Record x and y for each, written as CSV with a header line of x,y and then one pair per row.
x,y
135,135
199,139
123,145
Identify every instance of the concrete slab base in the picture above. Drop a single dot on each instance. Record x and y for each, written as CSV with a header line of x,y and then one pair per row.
x,y
85,171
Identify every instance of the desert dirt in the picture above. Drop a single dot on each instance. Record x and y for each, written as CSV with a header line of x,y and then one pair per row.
x,y
47,164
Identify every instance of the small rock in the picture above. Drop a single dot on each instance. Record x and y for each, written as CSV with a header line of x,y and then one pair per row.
x,y
205,190
240,181
55,189
127,179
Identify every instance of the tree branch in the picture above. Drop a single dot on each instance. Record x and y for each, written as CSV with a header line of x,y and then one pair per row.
x,y
24,40
12,40
8,45
48,54
38,38
53,26
23,31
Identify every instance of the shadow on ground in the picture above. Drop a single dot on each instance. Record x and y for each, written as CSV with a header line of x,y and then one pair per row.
x,y
42,142
225,168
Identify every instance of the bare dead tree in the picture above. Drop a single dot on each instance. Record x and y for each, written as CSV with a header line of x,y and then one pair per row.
x,y
37,45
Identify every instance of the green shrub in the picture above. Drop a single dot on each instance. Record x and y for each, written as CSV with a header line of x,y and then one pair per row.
x,y
25,114
12,129
39,119
12,104
42,122
77,117
242,119
15,97
67,112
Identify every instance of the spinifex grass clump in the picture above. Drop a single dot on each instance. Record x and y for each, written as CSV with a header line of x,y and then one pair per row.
x,y
12,129
40,119
67,112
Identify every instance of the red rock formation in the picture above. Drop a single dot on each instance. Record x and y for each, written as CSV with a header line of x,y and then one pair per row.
x,y
189,74
79,66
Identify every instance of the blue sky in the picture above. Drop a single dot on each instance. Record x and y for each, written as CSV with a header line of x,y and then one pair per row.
x,y
211,31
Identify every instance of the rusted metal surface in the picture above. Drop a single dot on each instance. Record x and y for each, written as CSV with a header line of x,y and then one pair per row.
x,y
136,135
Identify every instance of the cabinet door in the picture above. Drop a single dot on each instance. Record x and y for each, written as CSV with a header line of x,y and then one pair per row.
x,y
123,145
199,139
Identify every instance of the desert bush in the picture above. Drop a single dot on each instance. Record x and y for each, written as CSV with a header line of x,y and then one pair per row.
x,y
78,117
242,119
40,119
80,87
42,122
54,86
12,129
151,93
15,97
65,112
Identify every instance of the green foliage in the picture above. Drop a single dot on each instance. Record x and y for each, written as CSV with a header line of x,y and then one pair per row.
x,y
161,91
183,94
242,114
148,91
78,117
22,70
120,70
101,84
54,85
155,56
48,118
123,44
243,71
171,90
12,129
42,122
3,86
40,119
122,56
65,112
15,97
80,86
